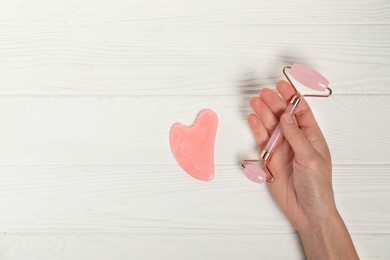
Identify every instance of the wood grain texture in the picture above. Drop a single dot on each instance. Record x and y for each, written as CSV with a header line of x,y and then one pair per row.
x,y
186,60
138,246
162,199
228,12
135,130
103,246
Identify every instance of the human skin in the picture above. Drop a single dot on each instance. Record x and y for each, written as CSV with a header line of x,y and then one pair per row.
x,y
302,169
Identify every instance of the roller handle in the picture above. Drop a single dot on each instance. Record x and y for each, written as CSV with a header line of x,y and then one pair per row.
x,y
277,135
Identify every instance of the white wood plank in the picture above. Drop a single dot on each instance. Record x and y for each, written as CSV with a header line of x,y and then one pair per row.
x,y
186,60
171,246
135,130
167,246
245,12
162,199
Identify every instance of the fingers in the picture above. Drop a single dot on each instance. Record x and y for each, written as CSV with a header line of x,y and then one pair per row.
x,y
302,148
268,106
303,113
268,118
258,129
273,101
287,92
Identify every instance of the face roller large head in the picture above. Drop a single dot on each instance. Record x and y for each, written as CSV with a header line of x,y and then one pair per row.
x,y
308,77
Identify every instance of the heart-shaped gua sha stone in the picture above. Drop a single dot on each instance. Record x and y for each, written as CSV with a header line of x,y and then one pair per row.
x,y
193,146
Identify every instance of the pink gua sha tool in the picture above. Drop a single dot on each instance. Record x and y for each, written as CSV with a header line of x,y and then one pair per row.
x,y
308,77
193,147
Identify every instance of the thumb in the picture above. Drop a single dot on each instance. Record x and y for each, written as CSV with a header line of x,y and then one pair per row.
x,y
295,137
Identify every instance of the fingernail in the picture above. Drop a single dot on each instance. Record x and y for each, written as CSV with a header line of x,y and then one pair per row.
x,y
288,118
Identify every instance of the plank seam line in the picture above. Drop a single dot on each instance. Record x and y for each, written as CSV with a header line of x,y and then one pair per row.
x,y
170,233
163,164
186,24
118,95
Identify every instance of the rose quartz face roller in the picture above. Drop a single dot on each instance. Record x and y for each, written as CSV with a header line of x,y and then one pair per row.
x,y
308,77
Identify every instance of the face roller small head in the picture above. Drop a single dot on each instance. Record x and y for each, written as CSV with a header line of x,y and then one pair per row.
x,y
254,172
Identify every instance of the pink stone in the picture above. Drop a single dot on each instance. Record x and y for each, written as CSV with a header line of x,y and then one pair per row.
x,y
254,172
309,77
193,146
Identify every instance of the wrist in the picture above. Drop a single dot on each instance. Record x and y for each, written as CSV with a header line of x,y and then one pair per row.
x,y
320,225
327,238
321,221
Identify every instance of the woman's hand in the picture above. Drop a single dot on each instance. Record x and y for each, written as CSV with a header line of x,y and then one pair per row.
x,y
302,169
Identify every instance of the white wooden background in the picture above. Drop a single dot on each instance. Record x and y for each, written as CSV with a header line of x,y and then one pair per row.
x,y
90,88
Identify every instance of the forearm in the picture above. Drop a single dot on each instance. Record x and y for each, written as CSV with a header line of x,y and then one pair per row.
x,y
328,239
